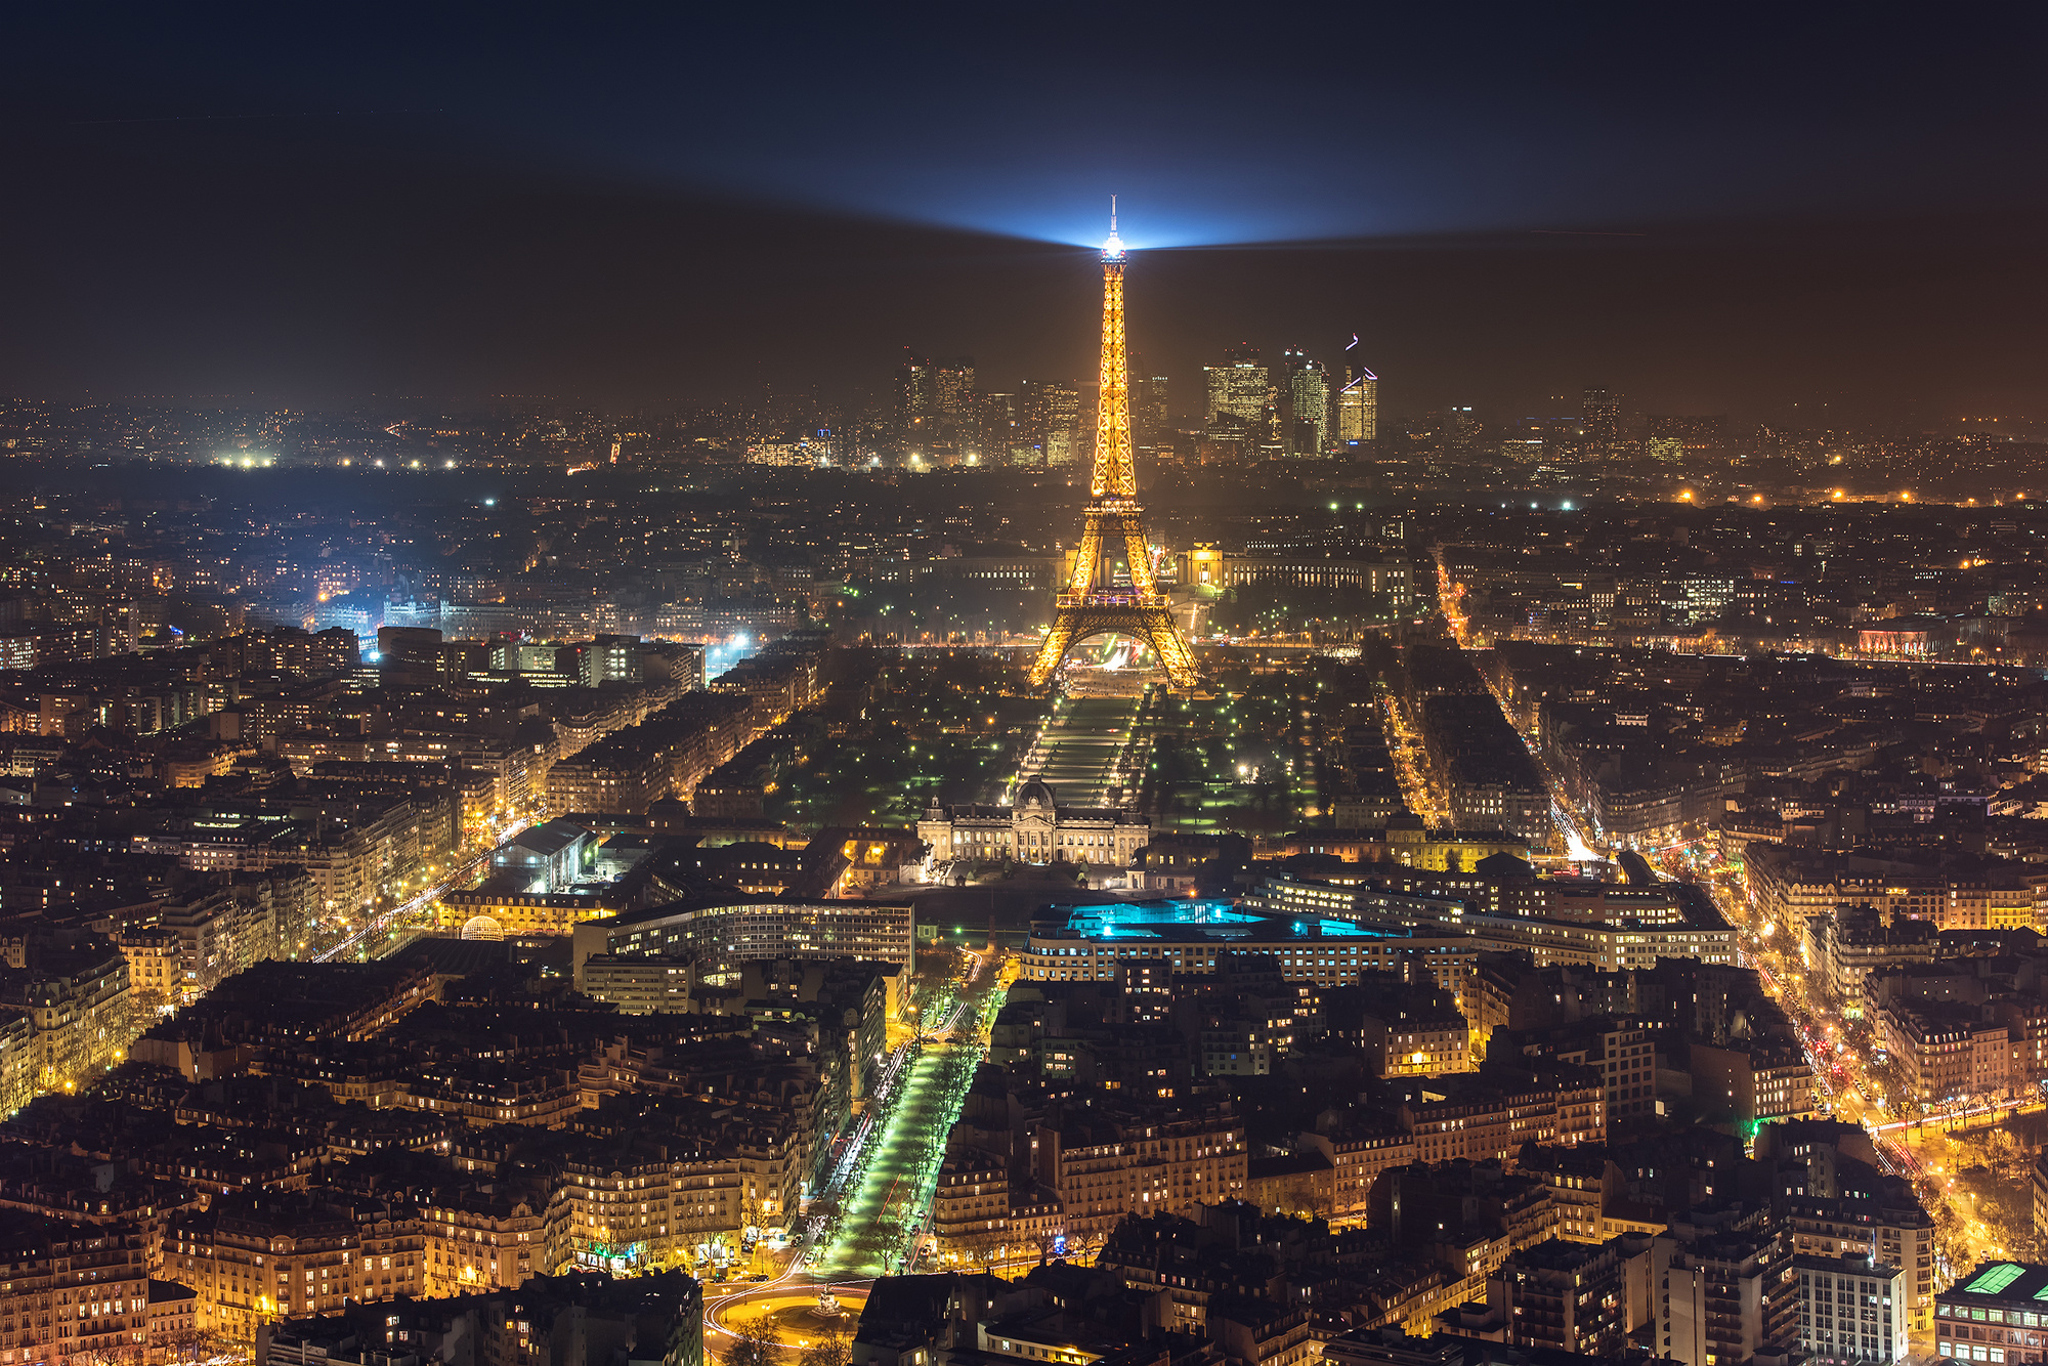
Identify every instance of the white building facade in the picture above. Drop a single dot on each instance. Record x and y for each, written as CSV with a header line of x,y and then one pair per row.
x,y
1036,830
1851,1311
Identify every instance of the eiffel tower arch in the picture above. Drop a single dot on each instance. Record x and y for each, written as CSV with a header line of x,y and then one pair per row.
x,y
1092,603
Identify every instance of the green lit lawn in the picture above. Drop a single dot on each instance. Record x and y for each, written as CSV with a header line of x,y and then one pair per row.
x,y
1078,751
1198,745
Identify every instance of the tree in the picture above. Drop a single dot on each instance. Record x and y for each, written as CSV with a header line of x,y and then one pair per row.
x,y
981,1249
834,1349
1301,1199
753,1343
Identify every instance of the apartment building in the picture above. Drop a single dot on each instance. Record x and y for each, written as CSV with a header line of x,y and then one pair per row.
x,y
72,1292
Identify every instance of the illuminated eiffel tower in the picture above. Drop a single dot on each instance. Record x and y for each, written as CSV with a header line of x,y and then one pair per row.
x,y
1092,603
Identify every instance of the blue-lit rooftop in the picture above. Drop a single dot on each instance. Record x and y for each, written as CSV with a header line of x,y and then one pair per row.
x,y
1205,920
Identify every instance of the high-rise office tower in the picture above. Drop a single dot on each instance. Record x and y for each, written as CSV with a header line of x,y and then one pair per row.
x,y
1239,419
916,406
998,427
1030,413
1154,428
1460,428
1358,401
1600,422
1239,387
1308,407
1053,416
955,432
953,387
916,387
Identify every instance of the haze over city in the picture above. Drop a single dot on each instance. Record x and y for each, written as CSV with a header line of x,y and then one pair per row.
x,y
1816,207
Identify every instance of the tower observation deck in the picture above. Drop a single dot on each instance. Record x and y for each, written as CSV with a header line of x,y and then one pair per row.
x,y
1092,603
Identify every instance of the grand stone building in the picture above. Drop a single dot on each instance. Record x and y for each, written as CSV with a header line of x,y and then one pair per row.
x,y
1036,830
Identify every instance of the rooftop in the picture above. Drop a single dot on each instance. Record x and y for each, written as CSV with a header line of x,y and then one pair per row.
x,y
550,839
1188,920
2006,1281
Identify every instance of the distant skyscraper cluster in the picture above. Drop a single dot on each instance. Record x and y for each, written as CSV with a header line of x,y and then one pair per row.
x,y
938,417
1302,412
1674,437
937,410
1295,407
1055,430
1300,409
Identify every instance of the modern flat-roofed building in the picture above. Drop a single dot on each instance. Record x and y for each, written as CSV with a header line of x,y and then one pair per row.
x,y
1995,1314
722,934
549,857
1190,935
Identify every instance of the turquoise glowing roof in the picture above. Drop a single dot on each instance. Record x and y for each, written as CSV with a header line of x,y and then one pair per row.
x,y
1186,920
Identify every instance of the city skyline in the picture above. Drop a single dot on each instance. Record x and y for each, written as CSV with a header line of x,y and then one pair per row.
x,y
655,712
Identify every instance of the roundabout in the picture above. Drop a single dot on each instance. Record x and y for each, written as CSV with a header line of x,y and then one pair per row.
x,y
789,1314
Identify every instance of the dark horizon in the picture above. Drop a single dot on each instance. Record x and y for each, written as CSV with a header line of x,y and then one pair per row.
x,y
1785,224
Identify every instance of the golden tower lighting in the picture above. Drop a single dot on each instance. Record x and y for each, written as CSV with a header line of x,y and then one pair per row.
x,y
1092,604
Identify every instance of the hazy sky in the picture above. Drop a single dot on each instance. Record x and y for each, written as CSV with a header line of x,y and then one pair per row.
x,y
1710,208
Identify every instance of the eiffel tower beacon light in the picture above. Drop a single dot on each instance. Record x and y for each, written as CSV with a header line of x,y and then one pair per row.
x,y
1092,603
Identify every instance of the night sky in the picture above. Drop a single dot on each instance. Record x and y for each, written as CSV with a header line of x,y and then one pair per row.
x,y
1710,208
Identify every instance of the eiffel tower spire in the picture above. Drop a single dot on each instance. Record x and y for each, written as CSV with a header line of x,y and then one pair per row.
x,y
1092,603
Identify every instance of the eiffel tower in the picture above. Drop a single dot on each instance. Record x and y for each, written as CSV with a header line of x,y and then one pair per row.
x,y
1092,604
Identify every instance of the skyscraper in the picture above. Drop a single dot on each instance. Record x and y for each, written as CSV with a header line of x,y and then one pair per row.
x,y
1308,407
915,407
1239,387
1675,437
916,388
998,427
1358,402
1460,427
956,431
1053,417
1149,417
1239,419
935,407
953,387
1600,422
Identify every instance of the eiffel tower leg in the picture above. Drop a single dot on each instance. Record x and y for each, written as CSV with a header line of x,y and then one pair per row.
x,y
1053,649
1137,555
1087,557
1171,649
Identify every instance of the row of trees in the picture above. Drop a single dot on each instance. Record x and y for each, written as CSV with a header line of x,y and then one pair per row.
x,y
754,1344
